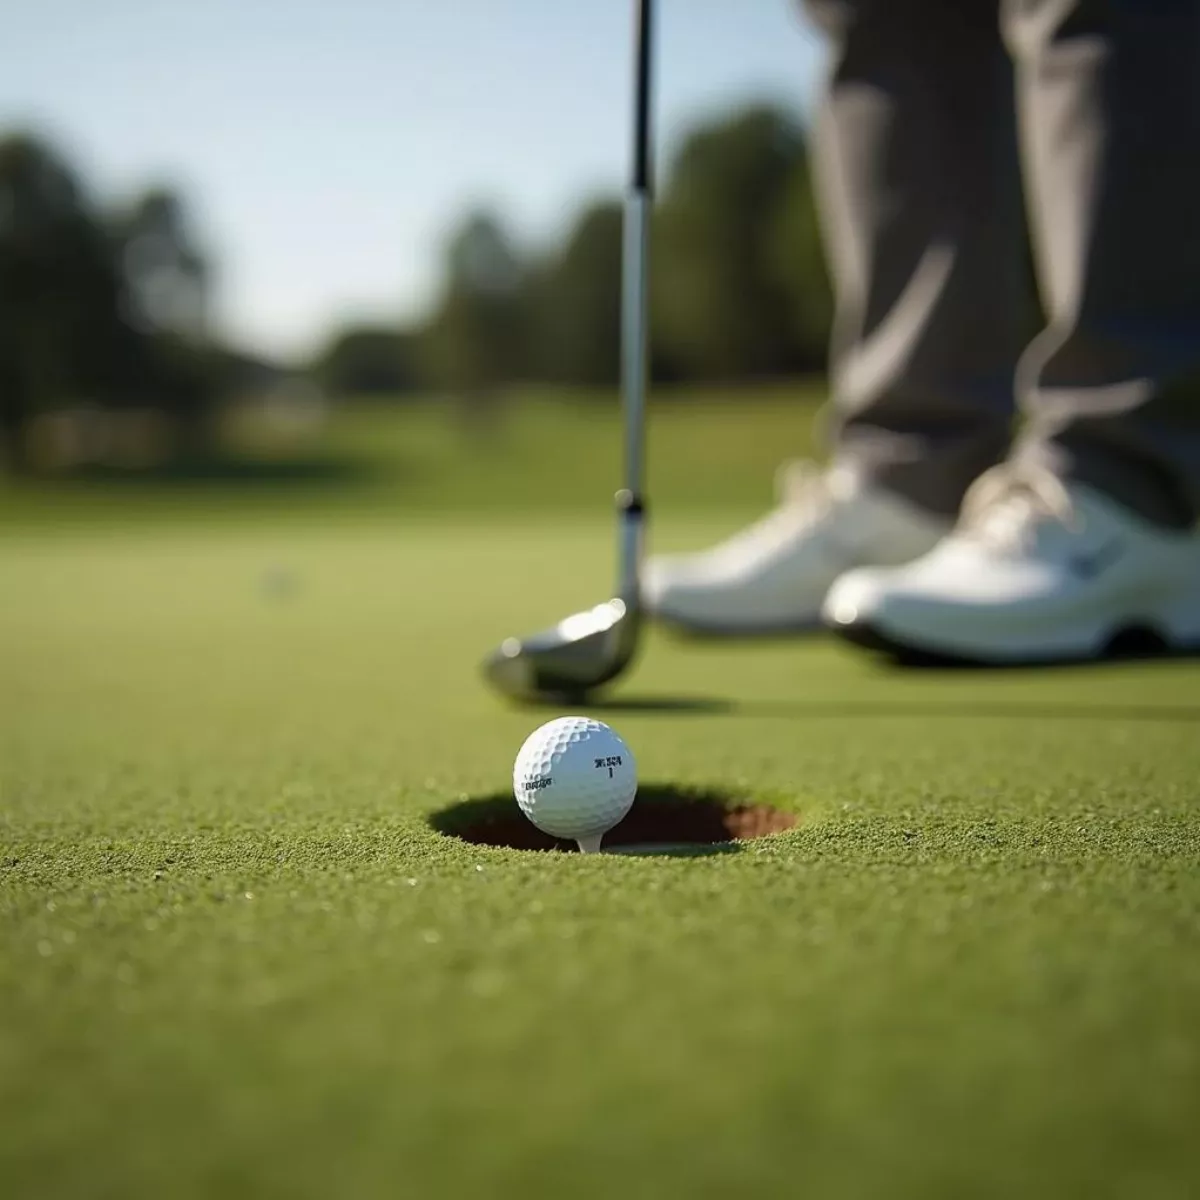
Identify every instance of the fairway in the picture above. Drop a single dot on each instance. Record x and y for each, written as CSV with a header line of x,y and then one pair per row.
x,y
237,959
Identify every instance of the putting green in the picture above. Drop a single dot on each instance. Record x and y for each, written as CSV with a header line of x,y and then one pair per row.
x,y
236,958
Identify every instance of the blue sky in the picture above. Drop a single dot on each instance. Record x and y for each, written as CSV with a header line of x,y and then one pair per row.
x,y
326,146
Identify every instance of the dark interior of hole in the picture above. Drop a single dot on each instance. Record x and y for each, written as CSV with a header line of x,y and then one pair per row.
x,y
660,816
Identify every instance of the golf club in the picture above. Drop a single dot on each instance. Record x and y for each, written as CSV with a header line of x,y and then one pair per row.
x,y
591,648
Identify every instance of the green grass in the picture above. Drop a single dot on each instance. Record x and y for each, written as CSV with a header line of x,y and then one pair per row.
x,y
711,450
236,960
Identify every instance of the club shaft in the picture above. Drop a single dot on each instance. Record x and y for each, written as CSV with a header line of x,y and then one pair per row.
x,y
635,338
635,315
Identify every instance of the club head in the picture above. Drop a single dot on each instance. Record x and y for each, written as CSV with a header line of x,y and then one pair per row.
x,y
568,660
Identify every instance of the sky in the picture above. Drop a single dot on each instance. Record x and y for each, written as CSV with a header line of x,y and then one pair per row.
x,y
326,147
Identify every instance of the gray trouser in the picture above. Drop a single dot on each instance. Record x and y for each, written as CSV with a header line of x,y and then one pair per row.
x,y
944,124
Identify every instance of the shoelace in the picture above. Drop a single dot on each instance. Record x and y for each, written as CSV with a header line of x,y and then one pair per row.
x,y
804,496
1004,507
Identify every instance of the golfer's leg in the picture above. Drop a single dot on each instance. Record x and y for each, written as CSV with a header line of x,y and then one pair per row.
x,y
1110,107
921,204
917,178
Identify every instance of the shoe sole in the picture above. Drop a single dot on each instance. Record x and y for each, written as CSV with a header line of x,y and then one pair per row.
x,y
1131,643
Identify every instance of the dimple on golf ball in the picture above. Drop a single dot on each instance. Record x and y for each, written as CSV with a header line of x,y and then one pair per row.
x,y
575,778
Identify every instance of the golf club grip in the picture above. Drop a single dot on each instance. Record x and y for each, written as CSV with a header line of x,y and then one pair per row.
x,y
641,176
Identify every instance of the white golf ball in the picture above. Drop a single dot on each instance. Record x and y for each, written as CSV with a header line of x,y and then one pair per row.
x,y
575,778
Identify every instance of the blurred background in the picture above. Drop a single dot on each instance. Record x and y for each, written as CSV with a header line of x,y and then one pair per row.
x,y
278,249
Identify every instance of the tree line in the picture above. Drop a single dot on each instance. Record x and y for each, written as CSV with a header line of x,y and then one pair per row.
x,y
107,309
739,288
96,308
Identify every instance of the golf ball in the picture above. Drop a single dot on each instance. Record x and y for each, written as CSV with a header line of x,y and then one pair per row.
x,y
575,778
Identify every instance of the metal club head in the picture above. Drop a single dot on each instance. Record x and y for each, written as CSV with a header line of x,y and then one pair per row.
x,y
570,659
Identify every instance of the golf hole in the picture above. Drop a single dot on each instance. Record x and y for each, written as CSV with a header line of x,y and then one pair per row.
x,y
663,820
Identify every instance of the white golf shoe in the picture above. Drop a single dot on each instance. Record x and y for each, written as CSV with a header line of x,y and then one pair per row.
x,y
1037,570
773,576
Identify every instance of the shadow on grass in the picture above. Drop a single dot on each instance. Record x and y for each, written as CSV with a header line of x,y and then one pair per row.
x,y
1041,711
1131,644
802,709
1134,644
699,705
664,820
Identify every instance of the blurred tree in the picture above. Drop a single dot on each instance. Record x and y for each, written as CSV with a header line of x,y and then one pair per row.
x,y
103,313
723,304
369,361
576,302
113,313
475,341
166,278
63,336
167,274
